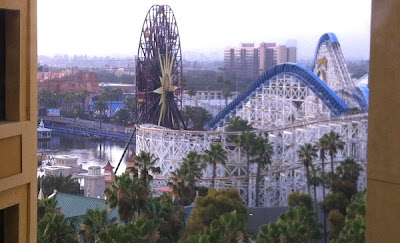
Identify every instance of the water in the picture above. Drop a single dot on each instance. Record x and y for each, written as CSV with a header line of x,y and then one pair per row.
x,y
88,150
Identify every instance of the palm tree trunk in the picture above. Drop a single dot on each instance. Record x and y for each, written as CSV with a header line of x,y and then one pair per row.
x,y
315,202
333,174
257,183
248,178
308,179
214,174
323,188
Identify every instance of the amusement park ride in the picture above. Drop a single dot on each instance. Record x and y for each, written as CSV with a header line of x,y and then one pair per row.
x,y
291,103
159,70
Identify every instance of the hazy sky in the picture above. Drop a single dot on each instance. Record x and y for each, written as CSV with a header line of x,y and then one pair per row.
x,y
112,27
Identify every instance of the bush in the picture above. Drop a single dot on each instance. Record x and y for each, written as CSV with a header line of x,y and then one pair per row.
x,y
211,207
300,199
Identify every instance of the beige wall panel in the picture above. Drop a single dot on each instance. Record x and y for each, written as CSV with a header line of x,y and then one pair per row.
x,y
18,196
10,154
384,115
383,197
383,212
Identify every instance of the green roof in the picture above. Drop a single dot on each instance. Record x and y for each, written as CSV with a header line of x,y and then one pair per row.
x,y
72,205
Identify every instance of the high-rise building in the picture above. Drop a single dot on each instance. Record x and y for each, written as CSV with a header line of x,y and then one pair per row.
x,y
270,54
241,62
292,54
267,56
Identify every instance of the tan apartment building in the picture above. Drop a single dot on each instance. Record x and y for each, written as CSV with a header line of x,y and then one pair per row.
x,y
270,54
247,62
241,62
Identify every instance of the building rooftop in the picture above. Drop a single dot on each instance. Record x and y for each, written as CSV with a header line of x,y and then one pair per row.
x,y
68,204
65,156
108,166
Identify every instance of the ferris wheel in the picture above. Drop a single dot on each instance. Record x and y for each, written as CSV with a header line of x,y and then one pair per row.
x,y
159,79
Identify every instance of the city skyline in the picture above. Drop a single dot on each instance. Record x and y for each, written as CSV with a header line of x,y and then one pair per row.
x,y
98,28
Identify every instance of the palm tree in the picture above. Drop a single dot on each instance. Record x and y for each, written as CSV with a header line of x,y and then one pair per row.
x,y
322,144
144,163
200,117
169,214
213,156
334,143
94,222
226,93
246,141
60,183
129,195
101,106
236,123
141,230
188,112
83,94
178,185
315,180
191,168
46,206
55,228
263,151
306,154
349,170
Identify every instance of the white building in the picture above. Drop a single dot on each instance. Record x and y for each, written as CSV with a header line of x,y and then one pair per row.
x,y
94,182
65,165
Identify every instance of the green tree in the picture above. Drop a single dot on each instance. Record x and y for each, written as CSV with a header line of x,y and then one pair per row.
x,y
122,115
83,95
353,231
336,223
179,186
213,156
200,117
55,228
48,99
191,168
345,178
296,225
306,153
60,183
46,206
263,152
138,231
101,106
226,93
236,123
94,222
169,214
315,180
229,227
188,113
334,143
211,207
337,201
130,104
145,162
296,199
192,92
129,195
247,141
322,144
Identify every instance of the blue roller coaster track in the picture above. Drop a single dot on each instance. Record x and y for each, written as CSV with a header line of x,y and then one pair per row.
x,y
305,75
325,37
359,94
